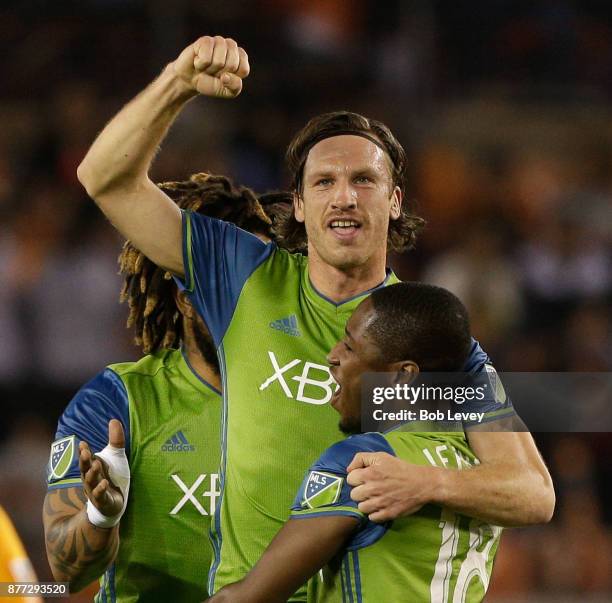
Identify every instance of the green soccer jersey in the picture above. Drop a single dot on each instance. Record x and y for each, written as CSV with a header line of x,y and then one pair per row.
x,y
172,420
433,556
273,331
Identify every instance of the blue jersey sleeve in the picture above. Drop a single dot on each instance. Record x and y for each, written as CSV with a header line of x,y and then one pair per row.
x,y
218,258
325,491
86,419
496,405
477,358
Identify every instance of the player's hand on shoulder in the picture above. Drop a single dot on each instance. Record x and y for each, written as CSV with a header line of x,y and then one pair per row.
x,y
387,487
213,66
98,486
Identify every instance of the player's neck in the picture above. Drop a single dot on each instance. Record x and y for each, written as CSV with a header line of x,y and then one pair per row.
x,y
340,284
198,364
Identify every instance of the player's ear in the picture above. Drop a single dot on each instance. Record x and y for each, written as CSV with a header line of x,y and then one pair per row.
x,y
183,304
395,210
298,206
406,371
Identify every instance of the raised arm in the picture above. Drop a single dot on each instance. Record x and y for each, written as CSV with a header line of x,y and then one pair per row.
x,y
297,552
115,170
77,550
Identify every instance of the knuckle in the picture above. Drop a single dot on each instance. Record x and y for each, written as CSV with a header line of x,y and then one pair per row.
x,y
232,62
202,62
244,59
204,42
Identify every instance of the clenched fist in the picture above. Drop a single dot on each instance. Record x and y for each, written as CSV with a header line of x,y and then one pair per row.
x,y
213,66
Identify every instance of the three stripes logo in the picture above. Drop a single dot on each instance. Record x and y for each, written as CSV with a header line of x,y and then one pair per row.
x,y
287,325
178,443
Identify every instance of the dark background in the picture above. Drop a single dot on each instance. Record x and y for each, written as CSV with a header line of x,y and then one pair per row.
x,y
504,109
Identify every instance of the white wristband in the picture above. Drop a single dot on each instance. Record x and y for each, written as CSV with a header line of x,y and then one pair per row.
x,y
119,474
97,518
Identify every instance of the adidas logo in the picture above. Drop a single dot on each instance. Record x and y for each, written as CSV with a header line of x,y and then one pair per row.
x,y
177,443
287,325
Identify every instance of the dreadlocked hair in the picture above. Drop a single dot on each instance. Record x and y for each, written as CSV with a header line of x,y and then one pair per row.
x,y
149,290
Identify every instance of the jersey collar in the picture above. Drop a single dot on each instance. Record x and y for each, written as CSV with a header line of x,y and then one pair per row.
x,y
315,294
189,373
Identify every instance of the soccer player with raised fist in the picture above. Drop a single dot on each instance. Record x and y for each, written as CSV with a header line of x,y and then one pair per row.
x,y
274,315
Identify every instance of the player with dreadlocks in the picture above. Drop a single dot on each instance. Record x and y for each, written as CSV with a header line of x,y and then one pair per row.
x,y
275,315
157,423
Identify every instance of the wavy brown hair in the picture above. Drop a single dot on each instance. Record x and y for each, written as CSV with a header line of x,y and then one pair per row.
x,y
291,234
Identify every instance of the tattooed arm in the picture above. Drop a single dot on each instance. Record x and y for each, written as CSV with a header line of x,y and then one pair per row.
x,y
78,551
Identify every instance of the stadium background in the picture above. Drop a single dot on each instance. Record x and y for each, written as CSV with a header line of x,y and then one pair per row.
x,y
504,109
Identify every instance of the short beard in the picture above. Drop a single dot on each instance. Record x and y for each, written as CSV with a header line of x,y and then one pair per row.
x,y
350,426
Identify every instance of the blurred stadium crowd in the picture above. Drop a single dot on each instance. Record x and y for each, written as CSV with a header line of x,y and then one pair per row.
x,y
504,109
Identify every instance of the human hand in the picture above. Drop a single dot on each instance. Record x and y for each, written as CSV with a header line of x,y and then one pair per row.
x,y
387,487
213,66
99,488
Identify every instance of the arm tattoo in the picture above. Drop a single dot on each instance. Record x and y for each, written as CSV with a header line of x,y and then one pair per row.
x,y
78,551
